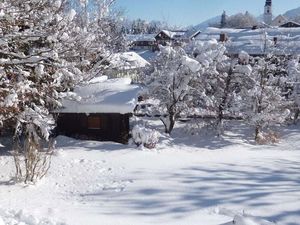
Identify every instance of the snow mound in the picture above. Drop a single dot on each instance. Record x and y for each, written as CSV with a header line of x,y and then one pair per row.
x,y
99,79
241,218
21,218
127,61
248,220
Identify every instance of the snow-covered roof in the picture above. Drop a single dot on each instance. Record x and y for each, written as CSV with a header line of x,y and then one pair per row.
x,y
140,37
148,55
258,41
102,95
192,33
174,34
279,20
290,24
127,60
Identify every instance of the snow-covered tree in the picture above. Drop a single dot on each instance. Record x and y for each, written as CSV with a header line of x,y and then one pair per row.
x,y
139,26
264,103
293,81
241,20
43,54
171,82
219,82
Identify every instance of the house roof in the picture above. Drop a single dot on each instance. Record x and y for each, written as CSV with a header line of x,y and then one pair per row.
x,y
192,33
140,37
289,24
257,42
127,60
102,95
173,34
148,55
280,19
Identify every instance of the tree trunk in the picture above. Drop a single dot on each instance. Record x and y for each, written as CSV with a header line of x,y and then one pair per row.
x,y
171,124
223,103
296,116
257,132
220,120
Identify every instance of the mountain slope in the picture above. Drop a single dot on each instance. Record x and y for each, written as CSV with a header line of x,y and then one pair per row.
x,y
293,13
208,23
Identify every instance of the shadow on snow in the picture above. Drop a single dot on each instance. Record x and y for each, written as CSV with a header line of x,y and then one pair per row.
x,y
198,188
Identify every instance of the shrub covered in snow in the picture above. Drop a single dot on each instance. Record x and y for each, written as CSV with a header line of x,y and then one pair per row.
x,y
145,136
244,57
270,137
20,217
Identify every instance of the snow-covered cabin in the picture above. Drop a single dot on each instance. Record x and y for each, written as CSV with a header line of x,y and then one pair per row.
x,y
126,64
101,112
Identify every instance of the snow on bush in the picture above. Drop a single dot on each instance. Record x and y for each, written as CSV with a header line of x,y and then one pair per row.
x,y
145,136
20,218
270,137
244,57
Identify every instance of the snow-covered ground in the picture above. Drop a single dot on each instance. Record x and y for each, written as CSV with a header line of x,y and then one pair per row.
x,y
198,180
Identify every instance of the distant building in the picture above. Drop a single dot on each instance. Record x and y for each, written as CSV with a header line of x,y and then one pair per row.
x,y
125,64
279,20
165,37
142,42
223,20
268,15
290,24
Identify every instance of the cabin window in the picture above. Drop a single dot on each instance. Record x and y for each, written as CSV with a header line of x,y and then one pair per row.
x,y
94,122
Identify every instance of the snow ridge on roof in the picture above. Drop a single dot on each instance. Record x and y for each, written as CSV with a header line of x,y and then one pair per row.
x,y
174,34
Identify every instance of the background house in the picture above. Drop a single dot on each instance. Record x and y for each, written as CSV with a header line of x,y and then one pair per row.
x,y
172,37
126,64
101,112
290,24
142,42
279,20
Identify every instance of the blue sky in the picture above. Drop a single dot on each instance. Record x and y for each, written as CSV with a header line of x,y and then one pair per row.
x,y
192,12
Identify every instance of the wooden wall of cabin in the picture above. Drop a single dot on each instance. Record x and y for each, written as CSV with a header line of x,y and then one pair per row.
x,y
113,126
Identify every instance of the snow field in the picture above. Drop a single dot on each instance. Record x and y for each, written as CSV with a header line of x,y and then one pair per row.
x,y
185,181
